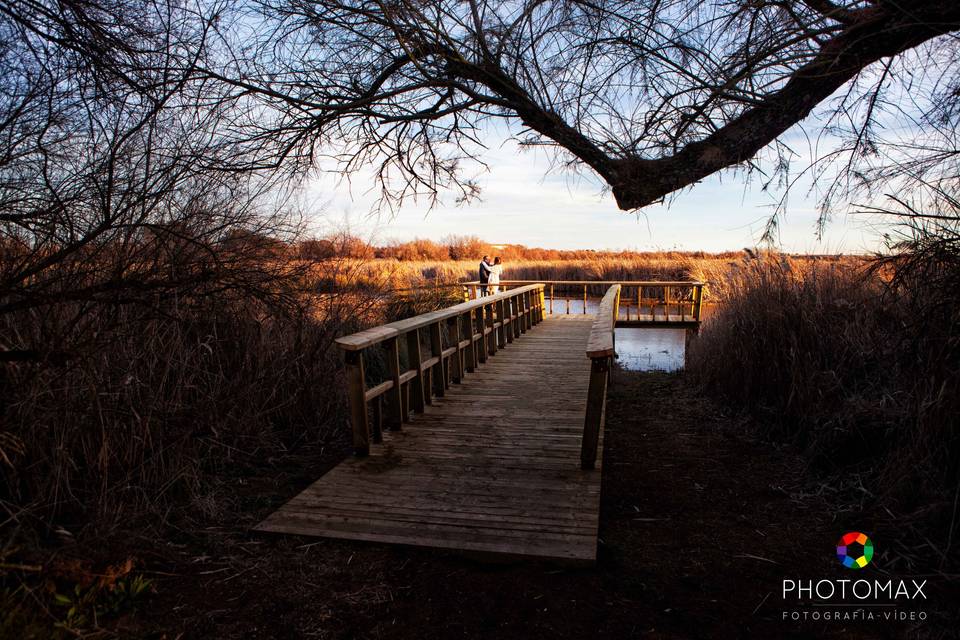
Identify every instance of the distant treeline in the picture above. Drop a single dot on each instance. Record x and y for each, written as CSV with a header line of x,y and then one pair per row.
x,y
468,247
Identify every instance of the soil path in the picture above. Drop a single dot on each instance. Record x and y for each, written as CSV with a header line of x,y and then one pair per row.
x,y
699,526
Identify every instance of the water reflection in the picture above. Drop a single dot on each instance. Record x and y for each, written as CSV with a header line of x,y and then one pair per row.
x,y
652,349
638,349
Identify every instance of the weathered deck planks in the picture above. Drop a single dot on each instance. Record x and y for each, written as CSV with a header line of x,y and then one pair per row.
x,y
492,467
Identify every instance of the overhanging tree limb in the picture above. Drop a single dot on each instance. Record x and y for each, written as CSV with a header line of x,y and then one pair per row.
x,y
652,97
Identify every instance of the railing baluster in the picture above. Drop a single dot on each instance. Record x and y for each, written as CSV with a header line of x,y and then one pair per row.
x,y
453,329
439,377
418,399
357,391
596,399
481,350
396,408
492,335
502,329
470,357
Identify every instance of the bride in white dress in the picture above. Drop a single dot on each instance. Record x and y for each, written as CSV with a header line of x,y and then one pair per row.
x,y
495,270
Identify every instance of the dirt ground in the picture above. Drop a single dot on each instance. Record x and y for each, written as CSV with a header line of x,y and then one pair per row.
x,y
700,523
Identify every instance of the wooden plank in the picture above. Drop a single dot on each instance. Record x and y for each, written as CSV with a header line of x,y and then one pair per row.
x,y
378,390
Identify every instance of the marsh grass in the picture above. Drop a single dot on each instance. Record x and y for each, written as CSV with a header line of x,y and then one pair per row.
x,y
856,365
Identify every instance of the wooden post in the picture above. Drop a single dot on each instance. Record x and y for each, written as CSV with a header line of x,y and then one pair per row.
x,y
357,391
481,349
541,306
518,301
453,330
492,336
511,325
596,401
416,384
502,329
551,298
697,298
470,357
584,299
639,300
436,350
473,291
396,408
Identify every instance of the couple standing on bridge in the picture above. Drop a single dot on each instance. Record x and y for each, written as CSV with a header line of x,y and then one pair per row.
x,y
490,275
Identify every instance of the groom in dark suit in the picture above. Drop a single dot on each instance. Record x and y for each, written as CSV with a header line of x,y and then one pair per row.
x,y
484,274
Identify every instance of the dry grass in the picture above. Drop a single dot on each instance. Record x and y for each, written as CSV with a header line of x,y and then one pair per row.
x,y
856,364
402,274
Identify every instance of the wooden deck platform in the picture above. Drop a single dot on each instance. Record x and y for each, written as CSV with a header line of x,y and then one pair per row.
x,y
493,467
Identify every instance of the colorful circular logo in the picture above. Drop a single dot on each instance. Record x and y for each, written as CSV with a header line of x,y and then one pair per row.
x,y
855,550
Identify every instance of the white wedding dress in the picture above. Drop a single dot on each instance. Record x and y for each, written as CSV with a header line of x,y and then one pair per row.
x,y
494,281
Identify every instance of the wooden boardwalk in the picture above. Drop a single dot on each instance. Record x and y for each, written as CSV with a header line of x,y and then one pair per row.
x,y
492,467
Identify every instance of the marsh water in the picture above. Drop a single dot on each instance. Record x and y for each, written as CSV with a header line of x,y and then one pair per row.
x,y
652,349
648,349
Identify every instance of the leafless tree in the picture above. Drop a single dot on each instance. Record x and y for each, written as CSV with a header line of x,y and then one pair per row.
x,y
652,96
116,186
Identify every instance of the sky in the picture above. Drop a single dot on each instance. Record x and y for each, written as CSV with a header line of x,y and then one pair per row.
x,y
523,201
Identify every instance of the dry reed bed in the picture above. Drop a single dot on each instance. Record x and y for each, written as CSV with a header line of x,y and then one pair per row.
x,y
856,364
382,275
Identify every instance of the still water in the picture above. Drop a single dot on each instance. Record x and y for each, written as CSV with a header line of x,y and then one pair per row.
x,y
651,349
637,349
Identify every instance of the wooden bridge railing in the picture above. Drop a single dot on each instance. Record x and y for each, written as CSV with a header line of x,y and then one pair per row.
x,y
601,349
474,330
684,297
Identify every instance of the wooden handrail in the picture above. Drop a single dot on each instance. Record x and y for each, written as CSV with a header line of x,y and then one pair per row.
x,y
477,329
375,335
600,344
679,302
601,349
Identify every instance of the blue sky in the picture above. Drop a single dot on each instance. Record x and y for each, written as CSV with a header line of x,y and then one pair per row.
x,y
524,202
